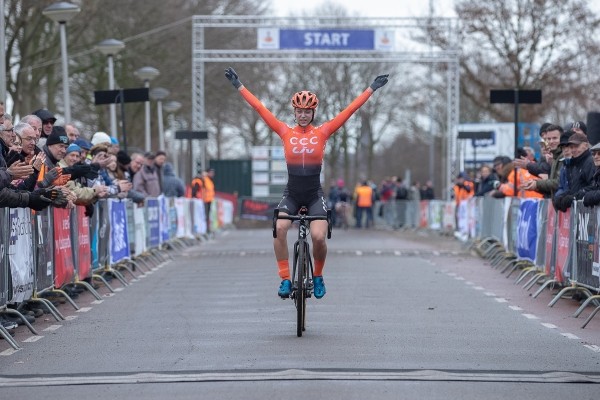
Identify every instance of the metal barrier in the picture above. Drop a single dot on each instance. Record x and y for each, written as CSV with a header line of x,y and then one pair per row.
x,y
44,254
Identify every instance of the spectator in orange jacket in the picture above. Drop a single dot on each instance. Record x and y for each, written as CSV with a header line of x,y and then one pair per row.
x,y
463,188
364,203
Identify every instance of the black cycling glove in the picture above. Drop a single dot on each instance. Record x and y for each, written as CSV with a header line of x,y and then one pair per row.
x,y
233,77
380,81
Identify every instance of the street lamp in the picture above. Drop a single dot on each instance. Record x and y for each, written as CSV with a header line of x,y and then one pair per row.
x,y
146,74
61,13
109,48
159,94
171,107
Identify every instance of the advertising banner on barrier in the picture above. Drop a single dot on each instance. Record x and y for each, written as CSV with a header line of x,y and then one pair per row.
x,y
436,214
64,271
153,217
163,214
257,209
189,218
563,233
586,247
505,222
83,234
20,255
199,218
119,241
423,214
225,212
550,239
180,207
44,237
3,259
462,218
140,230
172,218
472,214
103,233
448,219
527,230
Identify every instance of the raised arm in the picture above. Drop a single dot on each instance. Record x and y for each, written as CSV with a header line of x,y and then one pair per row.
x,y
336,123
267,116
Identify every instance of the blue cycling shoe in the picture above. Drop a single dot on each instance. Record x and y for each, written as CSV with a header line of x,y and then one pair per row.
x,y
319,287
285,289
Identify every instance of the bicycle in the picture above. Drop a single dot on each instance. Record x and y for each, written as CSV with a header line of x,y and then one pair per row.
x,y
302,273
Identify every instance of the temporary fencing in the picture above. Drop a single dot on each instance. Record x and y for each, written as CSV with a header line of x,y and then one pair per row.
x,y
45,253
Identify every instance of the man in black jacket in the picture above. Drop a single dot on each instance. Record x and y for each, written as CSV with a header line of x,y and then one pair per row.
x,y
579,172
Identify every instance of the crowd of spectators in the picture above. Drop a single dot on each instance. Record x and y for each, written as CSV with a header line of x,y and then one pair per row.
x,y
568,170
43,164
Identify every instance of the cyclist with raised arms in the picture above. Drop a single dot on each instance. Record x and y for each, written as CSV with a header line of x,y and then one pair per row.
x,y
304,148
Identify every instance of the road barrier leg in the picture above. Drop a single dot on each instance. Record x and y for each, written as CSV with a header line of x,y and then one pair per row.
x,y
66,296
544,286
9,339
585,304
21,317
534,280
49,306
101,278
589,318
90,288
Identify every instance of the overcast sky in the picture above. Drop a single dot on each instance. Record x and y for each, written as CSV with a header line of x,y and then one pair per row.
x,y
370,8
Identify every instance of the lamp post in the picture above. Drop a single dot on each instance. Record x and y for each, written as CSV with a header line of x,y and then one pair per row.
x,y
109,48
171,107
61,13
146,74
159,94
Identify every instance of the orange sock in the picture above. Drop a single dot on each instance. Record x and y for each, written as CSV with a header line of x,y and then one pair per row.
x,y
319,264
284,269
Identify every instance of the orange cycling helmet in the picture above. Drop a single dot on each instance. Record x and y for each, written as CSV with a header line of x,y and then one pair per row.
x,y
305,99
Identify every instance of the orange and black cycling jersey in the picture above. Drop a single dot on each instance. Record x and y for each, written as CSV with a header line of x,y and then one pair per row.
x,y
304,148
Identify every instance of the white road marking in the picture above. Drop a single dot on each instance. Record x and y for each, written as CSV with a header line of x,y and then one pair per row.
x,y
478,288
8,352
501,300
469,283
490,294
70,317
549,326
592,347
52,328
459,278
398,253
97,301
530,316
84,309
515,308
32,339
119,289
570,336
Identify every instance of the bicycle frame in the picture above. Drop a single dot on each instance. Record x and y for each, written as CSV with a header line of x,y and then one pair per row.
x,y
302,272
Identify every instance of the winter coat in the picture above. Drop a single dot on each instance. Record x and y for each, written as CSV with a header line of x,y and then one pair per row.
x,y
173,186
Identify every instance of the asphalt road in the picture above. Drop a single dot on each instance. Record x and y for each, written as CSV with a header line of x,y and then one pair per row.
x,y
405,316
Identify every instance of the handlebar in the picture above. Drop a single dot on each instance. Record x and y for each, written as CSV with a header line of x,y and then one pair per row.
x,y
302,217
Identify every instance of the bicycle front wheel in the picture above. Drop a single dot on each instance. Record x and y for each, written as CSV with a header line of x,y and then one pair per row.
x,y
301,290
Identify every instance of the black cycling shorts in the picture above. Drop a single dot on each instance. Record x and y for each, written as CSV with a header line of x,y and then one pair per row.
x,y
291,204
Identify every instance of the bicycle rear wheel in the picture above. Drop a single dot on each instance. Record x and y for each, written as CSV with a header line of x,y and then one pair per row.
x,y
301,289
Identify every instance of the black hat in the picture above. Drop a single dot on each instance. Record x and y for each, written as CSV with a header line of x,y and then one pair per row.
x,y
123,158
564,138
45,115
577,125
57,136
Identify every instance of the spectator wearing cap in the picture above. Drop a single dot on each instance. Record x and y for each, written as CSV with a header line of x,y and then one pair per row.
x,y
130,165
146,180
555,140
72,132
56,146
48,121
463,188
508,174
591,198
100,138
84,195
578,170
577,127
85,147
